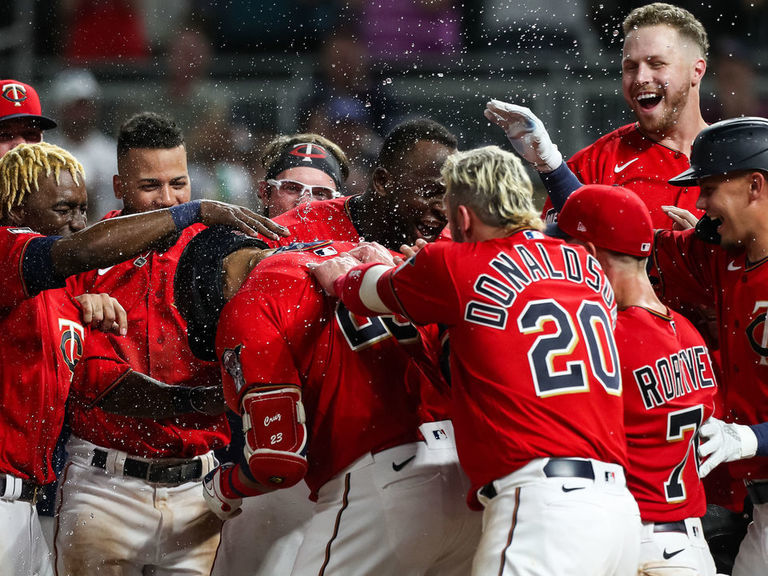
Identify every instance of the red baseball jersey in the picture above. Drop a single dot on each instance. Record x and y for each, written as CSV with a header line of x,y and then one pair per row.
x,y
694,271
41,340
534,365
360,376
331,220
626,157
156,345
669,389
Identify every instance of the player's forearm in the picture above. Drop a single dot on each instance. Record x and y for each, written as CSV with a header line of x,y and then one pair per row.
x,y
112,241
140,396
362,288
560,183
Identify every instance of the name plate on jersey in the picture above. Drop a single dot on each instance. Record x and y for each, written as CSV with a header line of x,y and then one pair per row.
x,y
438,435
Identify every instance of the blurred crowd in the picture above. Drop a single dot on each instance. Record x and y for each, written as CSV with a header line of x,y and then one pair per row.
x,y
180,57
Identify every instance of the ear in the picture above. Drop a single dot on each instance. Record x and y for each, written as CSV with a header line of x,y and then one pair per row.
x,y
699,68
758,186
381,178
465,220
16,216
117,186
590,248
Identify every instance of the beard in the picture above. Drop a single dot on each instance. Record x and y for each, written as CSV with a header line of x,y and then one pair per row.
x,y
672,106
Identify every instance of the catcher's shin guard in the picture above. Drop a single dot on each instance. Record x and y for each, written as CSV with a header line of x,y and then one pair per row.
x,y
275,435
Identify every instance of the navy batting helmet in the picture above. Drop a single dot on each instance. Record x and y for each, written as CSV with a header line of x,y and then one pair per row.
x,y
727,146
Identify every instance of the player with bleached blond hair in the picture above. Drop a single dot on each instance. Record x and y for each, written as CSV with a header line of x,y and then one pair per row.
x,y
43,328
544,445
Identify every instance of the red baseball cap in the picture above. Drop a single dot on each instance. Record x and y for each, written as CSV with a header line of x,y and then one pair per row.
x,y
611,217
19,100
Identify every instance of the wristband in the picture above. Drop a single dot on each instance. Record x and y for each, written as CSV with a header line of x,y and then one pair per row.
x,y
185,214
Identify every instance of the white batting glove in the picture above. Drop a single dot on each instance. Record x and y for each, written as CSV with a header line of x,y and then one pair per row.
x,y
219,504
724,442
526,133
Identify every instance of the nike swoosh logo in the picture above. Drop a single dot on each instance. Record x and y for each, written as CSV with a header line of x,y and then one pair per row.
x,y
572,488
398,467
620,167
668,555
103,271
733,268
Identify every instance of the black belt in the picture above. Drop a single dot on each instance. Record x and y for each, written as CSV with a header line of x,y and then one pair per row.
x,y
157,472
29,491
758,491
670,527
555,468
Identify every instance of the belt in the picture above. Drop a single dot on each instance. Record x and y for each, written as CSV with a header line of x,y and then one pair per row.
x,y
670,527
29,491
156,472
758,491
555,468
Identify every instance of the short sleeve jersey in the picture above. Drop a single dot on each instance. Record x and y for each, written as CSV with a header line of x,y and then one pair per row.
x,y
625,157
155,345
692,270
358,375
534,365
669,390
41,340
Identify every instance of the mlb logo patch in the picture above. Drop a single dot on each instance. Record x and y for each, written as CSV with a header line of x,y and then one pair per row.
x,y
20,230
440,434
610,477
532,234
328,251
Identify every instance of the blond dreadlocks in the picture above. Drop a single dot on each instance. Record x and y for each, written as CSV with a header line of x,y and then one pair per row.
x,y
21,167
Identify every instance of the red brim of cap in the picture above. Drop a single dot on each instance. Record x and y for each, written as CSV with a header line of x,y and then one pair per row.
x,y
44,122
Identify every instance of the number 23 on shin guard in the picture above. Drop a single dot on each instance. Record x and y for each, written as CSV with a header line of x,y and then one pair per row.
x,y
275,430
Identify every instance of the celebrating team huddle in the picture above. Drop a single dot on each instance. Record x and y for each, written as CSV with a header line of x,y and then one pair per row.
x,y
421,379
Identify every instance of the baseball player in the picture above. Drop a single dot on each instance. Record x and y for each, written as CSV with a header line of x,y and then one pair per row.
x,y
403,201
128,442
42,186
662,66
336,404
729,161
669,385
299,168
21,119
543,445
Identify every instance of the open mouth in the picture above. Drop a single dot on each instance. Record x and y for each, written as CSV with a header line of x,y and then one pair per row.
x,y
648,100
429,230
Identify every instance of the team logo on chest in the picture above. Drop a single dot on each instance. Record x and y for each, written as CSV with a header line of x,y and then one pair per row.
x,y
71,343
757,334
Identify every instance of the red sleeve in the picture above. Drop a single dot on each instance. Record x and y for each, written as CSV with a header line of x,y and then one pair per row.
x,y
13,245
686,267
422,289
99,370
252,343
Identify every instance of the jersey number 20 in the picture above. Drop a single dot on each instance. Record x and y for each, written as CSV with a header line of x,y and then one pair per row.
x,y
591,325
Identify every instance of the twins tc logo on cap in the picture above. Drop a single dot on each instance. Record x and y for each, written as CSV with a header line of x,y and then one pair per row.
x,y
15,93
309,151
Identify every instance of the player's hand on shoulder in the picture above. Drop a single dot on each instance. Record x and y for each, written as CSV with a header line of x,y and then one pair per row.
x,y
102,312
372,252
214,213
224,507
526,133
410,251
682,218
329,270
724,442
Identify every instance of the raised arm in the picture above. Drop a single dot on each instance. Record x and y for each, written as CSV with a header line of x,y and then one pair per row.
x,y
112,241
